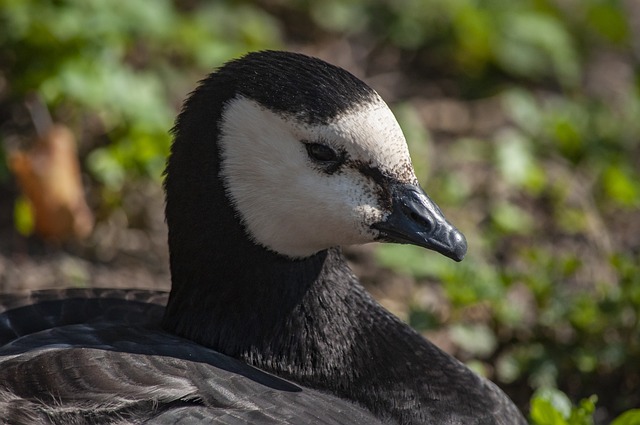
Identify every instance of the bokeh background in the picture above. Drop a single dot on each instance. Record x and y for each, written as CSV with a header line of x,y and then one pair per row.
x,y
523,120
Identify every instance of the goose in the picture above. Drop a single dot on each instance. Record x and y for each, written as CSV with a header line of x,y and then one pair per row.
x,y
278,159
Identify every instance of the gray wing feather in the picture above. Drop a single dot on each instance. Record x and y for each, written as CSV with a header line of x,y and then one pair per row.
x,y
83,361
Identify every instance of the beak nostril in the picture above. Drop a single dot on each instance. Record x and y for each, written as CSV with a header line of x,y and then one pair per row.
x,y
421,220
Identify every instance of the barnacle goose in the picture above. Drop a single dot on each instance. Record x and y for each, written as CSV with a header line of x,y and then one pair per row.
x,y
278,159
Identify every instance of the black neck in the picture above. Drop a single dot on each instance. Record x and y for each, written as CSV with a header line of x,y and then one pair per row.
x,y
238,299
310,321
227,292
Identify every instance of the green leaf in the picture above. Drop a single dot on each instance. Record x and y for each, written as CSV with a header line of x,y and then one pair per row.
x,y
621,186
412,260
477,339
106,168
536,45
475,33
550,406
543,412
583,413
508,368
339,16
609,21
522,107
23,217
630,417
511,218
516,162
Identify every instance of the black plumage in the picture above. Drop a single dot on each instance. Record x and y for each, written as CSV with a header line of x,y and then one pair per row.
x,y
248,335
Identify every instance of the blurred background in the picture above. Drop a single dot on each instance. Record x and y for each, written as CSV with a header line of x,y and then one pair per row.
x,y
523,120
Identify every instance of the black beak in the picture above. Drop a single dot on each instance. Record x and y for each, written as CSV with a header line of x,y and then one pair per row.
x,y
415,219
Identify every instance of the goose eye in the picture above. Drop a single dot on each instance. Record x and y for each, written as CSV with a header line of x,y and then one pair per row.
x,y
321,153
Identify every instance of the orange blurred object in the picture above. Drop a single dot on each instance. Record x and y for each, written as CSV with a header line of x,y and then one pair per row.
x,y
49,175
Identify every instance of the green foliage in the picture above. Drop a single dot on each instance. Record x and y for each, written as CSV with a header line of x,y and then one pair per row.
x,y
550,406
527,38
477,339
126,62
545,233
631,417
547,201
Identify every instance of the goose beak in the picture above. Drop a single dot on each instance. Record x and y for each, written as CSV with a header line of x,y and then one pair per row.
x,y
415,219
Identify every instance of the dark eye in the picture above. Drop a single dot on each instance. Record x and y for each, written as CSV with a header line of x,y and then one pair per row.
x,y
321,153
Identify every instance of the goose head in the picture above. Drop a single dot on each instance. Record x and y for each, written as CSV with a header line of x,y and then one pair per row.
x,y
310,157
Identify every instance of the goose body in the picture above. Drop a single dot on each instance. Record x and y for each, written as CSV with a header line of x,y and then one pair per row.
x,y
277,160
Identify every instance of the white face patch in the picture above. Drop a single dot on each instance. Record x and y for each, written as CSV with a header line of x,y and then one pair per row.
x,y
287,203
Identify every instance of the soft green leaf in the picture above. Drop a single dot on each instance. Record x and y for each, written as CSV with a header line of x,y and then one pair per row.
x,y
516,161
508,368
522,107
544,413
23,216
339,16
550,406
631,417
412,260
477,339
105,167
620,186
536,45
511,218
608,20
583,413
